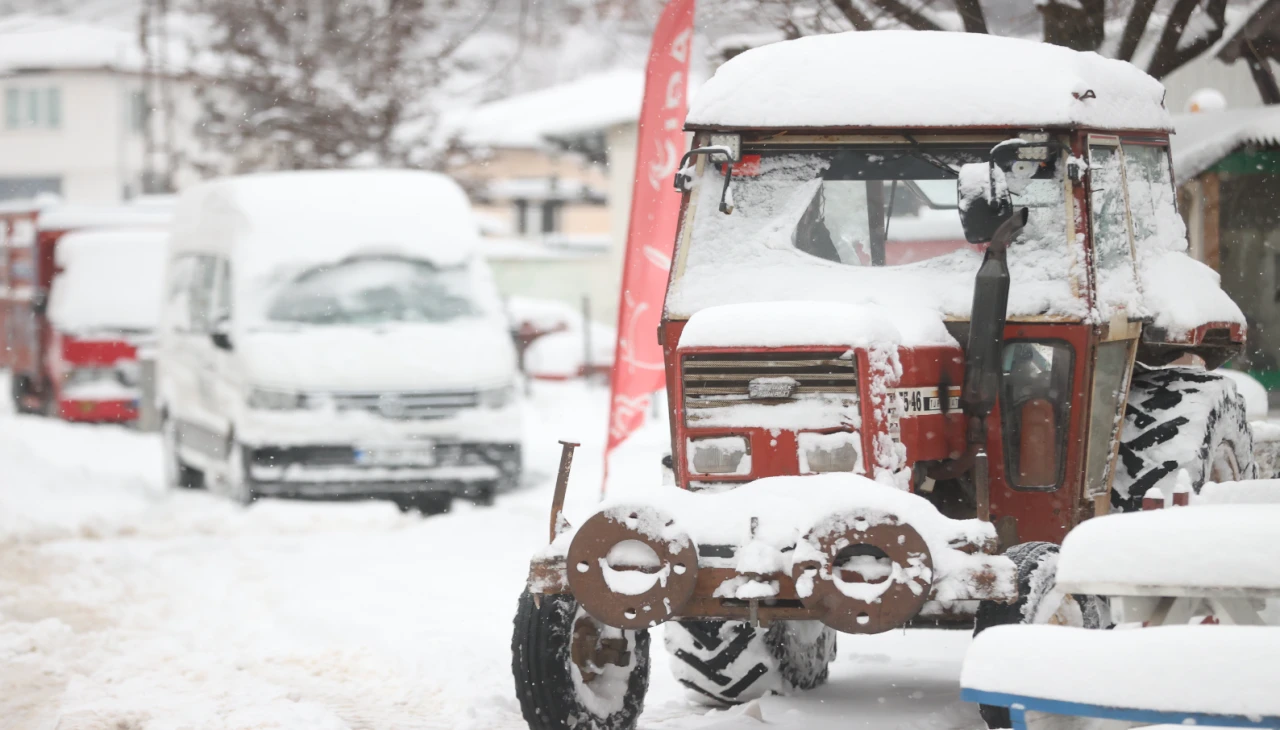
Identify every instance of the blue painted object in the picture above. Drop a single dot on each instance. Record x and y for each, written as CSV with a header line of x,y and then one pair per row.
x,y
1019,706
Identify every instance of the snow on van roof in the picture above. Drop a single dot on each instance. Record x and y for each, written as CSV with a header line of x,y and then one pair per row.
x,y
109,280
312,217
900,79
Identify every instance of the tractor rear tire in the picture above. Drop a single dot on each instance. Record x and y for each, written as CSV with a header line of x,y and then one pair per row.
x,y
1180,418
1039,602
728,662
550,685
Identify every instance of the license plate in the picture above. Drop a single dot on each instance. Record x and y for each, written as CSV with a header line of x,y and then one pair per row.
x,y
417,454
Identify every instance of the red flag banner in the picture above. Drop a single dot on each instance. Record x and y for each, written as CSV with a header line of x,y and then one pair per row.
x,y
651,233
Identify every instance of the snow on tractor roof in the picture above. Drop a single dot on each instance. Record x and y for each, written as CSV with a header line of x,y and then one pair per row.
x,y
923,79
109,280
296,219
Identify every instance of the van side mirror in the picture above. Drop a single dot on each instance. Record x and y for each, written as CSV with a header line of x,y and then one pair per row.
x,y
984,200
220,334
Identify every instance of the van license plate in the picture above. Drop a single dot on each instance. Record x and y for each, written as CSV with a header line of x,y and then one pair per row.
x,y
417,454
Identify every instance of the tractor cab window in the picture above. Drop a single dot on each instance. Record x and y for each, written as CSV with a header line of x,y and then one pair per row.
x,y
866,206
1112,237
1035,409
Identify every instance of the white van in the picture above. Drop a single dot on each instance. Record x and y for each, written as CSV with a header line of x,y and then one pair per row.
x,y
333,335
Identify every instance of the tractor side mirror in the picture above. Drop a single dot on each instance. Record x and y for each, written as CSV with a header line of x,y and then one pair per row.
x,y
984,200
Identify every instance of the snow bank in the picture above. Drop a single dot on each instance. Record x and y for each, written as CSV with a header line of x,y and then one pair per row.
x,y
110,280
1216,669
1254,491
783,324
1213,546
926,79
289,220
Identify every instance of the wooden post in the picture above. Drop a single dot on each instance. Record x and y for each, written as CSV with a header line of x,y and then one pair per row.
x,y
1212,225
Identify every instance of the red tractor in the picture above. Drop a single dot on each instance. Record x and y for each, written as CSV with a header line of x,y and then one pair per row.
x,y
922,320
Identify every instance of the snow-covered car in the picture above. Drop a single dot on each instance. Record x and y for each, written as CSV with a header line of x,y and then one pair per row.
x,y
333,335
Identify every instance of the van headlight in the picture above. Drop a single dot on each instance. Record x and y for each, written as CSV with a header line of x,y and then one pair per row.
x,y
498,397
275,400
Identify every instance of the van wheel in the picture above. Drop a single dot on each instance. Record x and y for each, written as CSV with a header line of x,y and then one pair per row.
x,y
485,495
434,503
20,391
236,482
176,473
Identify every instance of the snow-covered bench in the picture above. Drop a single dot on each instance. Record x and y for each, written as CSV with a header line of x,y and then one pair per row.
x,y
1169,565
1223,676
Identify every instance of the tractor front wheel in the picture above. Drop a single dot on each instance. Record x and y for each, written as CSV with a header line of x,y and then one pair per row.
x,y
728,662
574,673
1039,602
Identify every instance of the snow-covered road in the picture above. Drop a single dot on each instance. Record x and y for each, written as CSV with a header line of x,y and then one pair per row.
x,y
123,606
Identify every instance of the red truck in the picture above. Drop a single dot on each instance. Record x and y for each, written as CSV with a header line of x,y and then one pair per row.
x,y
72,320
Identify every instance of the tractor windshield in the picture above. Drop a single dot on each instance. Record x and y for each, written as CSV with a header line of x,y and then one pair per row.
x,y
864,206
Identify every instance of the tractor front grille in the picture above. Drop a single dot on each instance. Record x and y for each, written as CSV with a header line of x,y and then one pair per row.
x,y
722,379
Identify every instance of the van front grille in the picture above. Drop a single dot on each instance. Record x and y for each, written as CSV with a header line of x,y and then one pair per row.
x,y
408,406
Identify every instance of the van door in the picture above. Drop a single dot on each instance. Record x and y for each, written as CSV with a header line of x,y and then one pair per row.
x,y
201,431
223,376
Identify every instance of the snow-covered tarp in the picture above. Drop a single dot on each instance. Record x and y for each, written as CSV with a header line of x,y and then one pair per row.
x,y
1228,670
1201,139
110,280
1206,547
926,79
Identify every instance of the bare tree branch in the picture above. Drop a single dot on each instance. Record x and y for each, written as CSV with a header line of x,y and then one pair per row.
x,y
972,16
909,17
1171,52
1134,28
854,15
1080,25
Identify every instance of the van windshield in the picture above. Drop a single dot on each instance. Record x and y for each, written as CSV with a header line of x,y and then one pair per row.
x,y
370,291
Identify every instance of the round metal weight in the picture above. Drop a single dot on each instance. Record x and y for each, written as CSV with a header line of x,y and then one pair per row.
x,y
902,595
673,579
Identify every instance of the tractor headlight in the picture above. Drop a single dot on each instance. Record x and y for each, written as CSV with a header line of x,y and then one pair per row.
x,y
828,452
261,399
719,455
498,397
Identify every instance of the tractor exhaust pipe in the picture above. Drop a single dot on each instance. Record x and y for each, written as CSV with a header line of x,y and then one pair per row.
x,y
983,366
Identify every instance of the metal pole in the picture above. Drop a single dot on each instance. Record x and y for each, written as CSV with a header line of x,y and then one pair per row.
x,y
562,485
586,338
